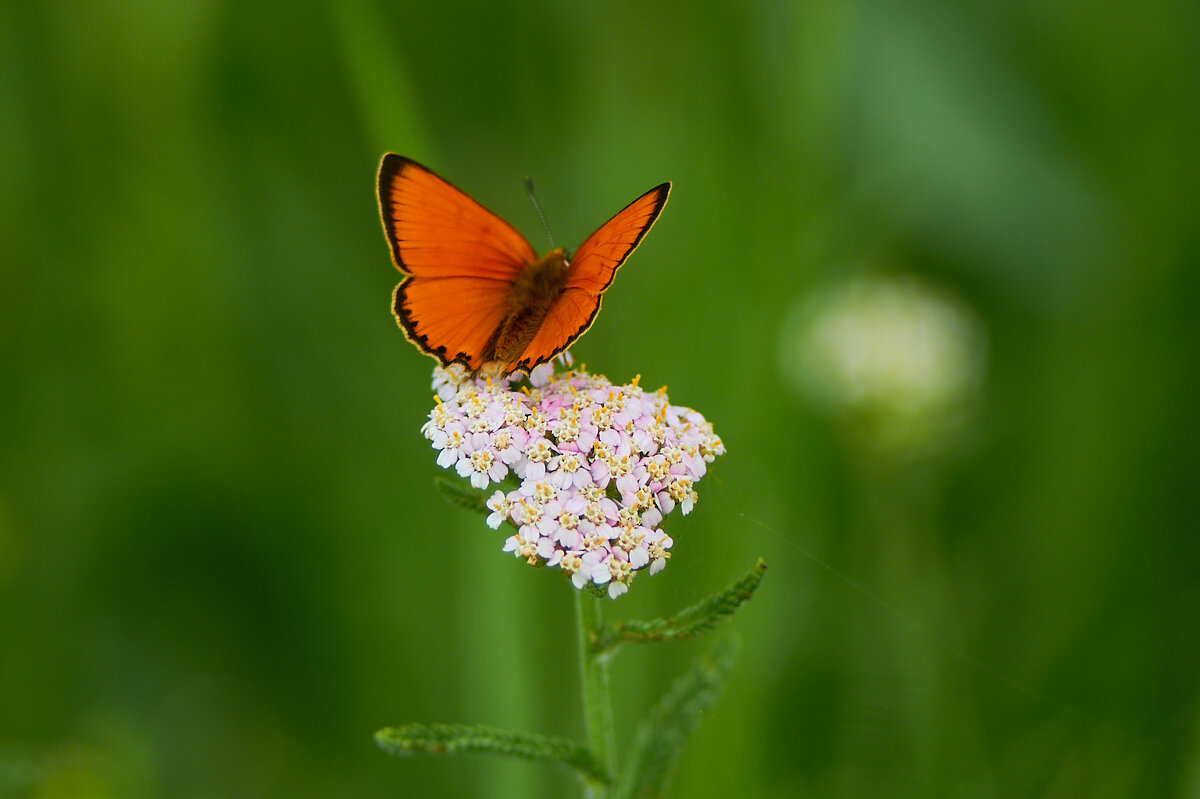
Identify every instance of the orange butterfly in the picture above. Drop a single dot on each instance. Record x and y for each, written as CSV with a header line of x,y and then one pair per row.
x,y
474,290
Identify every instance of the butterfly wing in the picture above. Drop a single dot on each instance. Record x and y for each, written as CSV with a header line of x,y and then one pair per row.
x,y
591,271
460,260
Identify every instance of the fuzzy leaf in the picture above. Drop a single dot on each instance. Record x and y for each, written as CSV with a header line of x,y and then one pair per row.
x,y
464,496
660,737
438,739
699,618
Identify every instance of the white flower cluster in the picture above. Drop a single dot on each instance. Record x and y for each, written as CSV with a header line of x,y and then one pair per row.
x,y
598,466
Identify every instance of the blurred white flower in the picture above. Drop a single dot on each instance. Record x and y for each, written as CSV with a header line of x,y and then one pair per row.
x,y
887,353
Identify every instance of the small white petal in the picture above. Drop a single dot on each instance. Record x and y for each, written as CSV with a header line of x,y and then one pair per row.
x,y
601,574
627,484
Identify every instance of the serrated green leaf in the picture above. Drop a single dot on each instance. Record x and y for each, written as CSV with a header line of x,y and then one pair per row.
x,y
438,739
699,618
660,737
464,496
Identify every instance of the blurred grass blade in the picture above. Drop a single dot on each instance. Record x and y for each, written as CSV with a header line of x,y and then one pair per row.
x,y
378,75
699,618
463,496
440,739
661,736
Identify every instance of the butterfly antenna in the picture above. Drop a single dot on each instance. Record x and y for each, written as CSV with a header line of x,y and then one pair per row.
x,y
538,208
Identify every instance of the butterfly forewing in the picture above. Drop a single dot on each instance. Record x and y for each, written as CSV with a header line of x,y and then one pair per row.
x,y
602,253
436,230
591,272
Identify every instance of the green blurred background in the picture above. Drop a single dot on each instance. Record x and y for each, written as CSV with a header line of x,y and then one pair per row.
x,y
222,561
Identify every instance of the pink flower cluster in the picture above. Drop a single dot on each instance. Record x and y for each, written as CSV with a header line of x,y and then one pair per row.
x,y
595,466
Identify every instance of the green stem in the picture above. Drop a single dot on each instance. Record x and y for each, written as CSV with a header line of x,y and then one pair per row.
x,y
593,669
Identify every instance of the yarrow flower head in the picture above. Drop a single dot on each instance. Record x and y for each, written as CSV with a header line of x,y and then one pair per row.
x,y
586,469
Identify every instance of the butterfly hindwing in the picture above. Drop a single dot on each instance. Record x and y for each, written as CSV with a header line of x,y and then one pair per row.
x,y
451,318
569,318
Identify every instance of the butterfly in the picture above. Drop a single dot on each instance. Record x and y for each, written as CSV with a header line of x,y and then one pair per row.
x,y
475,292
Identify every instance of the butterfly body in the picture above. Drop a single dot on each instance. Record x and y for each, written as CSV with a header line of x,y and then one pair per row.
x,y
531,297
475,292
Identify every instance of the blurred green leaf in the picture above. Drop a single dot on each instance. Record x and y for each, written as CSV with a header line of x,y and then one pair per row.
x,y
441,739
688,623
462,495
661,736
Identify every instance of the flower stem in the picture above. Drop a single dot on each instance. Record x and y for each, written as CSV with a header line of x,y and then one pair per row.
x,y
593,669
